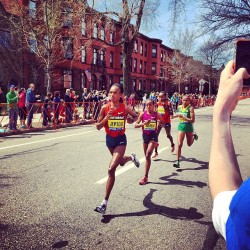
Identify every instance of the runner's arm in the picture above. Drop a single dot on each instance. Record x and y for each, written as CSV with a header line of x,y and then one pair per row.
x,y
102,119
131,113
140,125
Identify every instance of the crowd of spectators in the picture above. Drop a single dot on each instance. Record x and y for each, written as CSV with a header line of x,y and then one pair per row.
x,y
56,109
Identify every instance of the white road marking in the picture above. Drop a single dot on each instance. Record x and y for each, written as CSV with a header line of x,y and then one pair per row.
x,y
50,139
126,168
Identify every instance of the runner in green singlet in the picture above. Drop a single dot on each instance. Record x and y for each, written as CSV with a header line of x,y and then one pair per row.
x,y
186,115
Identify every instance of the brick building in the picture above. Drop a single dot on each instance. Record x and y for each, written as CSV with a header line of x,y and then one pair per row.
x,y
87,53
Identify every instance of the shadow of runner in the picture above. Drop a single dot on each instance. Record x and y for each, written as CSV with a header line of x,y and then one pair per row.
x,y
212,237
169,181
152,208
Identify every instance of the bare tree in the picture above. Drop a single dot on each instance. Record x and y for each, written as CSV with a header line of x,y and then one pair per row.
x,y
130,14
214,55
228,19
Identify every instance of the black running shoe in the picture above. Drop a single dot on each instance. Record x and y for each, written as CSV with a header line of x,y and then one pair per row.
x,y
101,209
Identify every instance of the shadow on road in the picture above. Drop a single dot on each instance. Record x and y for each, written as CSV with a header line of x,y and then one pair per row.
x,y
203,164
212,237
169,181
152,208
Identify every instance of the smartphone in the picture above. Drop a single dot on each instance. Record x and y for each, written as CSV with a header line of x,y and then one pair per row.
x,y
243,58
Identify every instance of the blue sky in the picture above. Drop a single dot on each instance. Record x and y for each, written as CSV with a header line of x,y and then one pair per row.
x,y
186,20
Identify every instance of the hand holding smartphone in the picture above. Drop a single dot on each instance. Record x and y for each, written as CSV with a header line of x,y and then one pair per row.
x,y
243,58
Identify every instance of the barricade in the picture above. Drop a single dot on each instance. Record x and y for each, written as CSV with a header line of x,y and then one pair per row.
x,y
58,115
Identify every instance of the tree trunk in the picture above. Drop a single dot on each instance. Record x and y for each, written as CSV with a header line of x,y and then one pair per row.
x,y
127,55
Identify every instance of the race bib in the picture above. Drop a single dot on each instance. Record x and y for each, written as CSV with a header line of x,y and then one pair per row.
x,y
161,110
151,126
116,124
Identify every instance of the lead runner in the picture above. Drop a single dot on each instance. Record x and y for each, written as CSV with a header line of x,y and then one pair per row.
x,y
113,116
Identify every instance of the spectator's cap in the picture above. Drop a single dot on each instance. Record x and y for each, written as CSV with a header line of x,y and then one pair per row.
x,y
12,86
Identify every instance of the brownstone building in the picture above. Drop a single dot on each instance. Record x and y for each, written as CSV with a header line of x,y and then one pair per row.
x,y
88,53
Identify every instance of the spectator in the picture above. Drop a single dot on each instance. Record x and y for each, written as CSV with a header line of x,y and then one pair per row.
x,y
131,101
231,196
22,111
56,106
68,106
86,104
30,102
174,101
12,99
2,100
144,99
97,104
46,109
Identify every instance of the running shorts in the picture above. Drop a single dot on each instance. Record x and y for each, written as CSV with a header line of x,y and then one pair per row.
x,y
147,138
113,142
185,127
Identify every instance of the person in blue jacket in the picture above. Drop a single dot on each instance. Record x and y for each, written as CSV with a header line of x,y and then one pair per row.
x,y
230,194
29,103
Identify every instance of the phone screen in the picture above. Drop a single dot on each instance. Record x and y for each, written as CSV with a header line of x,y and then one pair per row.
x,y
243,58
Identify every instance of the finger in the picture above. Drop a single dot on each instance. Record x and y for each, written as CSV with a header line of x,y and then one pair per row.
x,y
228,71
242,73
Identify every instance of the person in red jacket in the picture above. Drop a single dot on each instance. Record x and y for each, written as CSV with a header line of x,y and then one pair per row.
x,y
112,117
164,108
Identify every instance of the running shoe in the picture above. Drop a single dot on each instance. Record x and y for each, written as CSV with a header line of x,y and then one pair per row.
x,y
143,180
155,155
135,160
101,209
176,165
195,136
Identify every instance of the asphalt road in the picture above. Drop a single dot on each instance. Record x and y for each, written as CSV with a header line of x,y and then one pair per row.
x,y
51,182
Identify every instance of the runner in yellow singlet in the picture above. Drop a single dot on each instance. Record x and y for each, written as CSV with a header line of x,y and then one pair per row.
x,y
186,115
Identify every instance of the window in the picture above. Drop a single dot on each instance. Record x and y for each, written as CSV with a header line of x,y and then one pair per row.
x,y
141,48
121,79
83,80
141,66
68,47
121,60
154,50
4,39
135,65
145,67
102,58
153,69
152,85
83,28
67,17
111,37
164,57
146,50
32,8
95,56
67,78
102,34
32,44
111,80
111,59
83,54
161,56
95,31
136,46
161,72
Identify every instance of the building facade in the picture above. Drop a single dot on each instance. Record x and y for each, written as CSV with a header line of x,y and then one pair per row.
x,y
88,53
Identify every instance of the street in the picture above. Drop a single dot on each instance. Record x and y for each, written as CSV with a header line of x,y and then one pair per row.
x,y
51,181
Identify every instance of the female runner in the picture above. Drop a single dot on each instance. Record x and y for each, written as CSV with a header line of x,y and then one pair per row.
x,y
112,117
186,115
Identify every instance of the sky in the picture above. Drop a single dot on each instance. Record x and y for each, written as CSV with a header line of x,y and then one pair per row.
x,y
187,21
